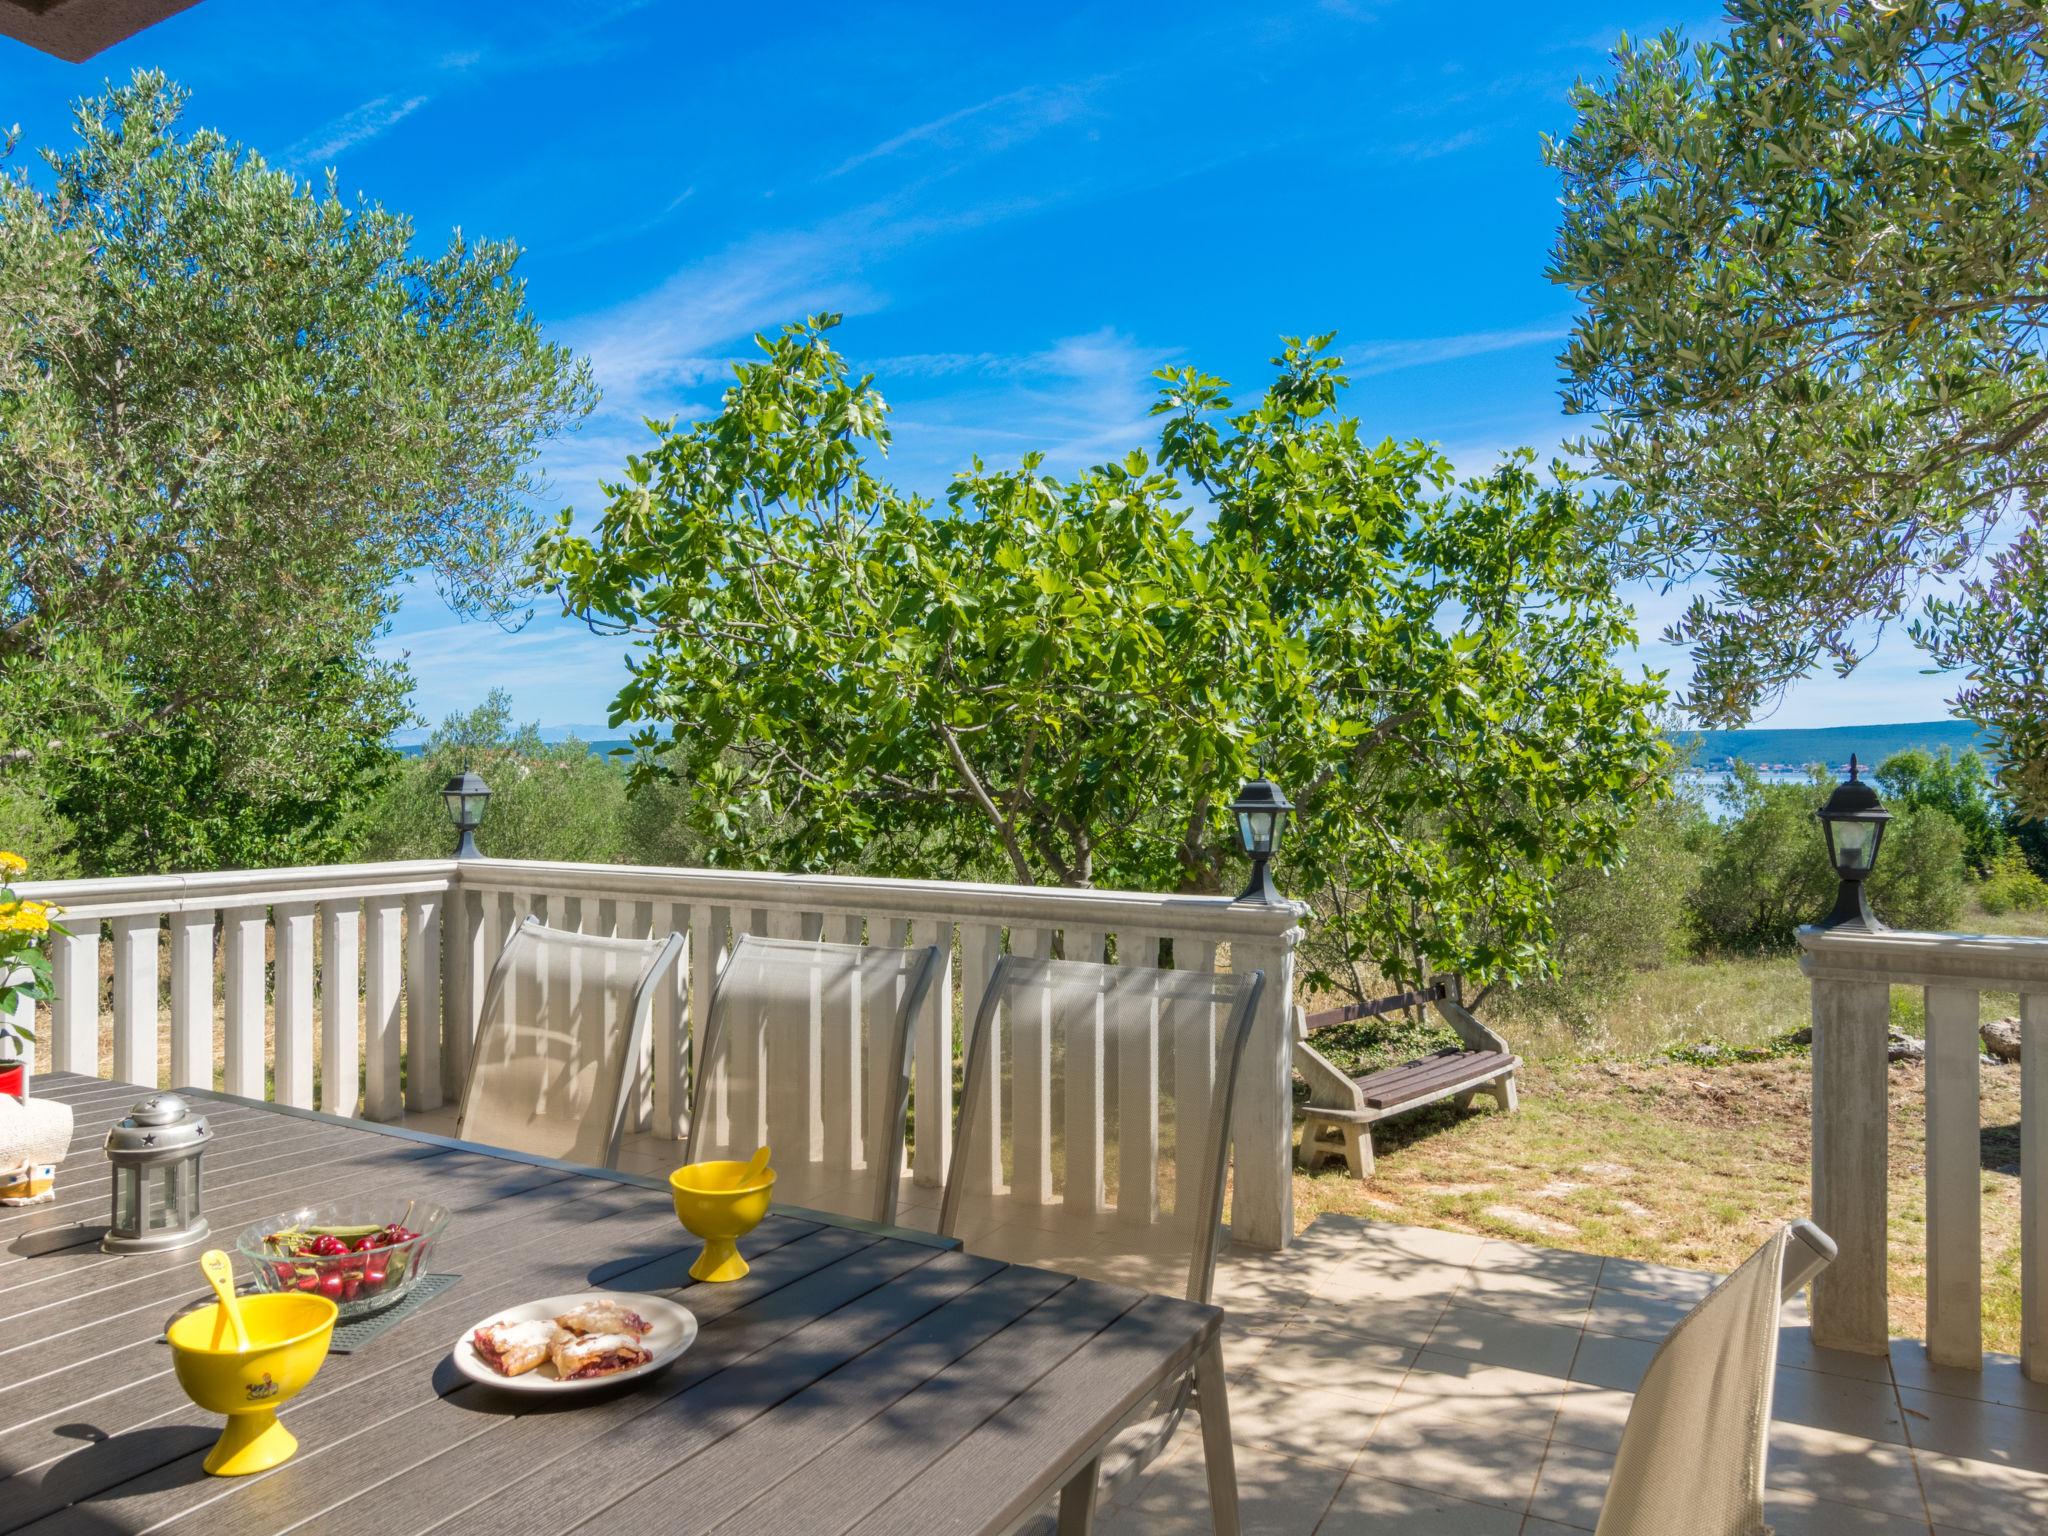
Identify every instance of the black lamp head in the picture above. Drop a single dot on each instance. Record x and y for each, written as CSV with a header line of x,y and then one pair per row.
x,y
1261,809
1853,821
465,795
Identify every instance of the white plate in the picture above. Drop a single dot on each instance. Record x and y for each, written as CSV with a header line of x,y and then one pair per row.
x,y
675,1330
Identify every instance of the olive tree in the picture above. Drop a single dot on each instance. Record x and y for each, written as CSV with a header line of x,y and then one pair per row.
x,y
1812,284
232,409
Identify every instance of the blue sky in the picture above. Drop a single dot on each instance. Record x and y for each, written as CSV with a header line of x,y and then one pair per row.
x,y
1021,212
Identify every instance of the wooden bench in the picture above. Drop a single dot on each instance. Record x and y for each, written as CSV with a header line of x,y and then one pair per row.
x,y
1337,1120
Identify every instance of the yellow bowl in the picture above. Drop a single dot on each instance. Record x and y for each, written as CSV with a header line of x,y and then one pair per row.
x,y
717,1203
288,1336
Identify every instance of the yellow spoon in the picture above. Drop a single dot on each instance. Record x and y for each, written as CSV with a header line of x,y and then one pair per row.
x,y
220,1274
756,1166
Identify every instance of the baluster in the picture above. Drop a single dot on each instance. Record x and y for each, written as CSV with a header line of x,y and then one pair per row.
x,y
1192,1044
981,946
341,1005
795,1119
467,963
2034,1185
932,1059
1031,1078
135,1012
292,1004
635,920
1137,1105
192,999
1086,1188
707,954
423,1001
840,1095
75,1015
244,1061
383,992
1955,1334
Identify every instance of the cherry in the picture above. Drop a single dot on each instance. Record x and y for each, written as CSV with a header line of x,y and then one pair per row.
x,y
287,1274
327,1245
330,1285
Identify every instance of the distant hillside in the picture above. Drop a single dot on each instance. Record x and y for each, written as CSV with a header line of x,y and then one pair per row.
x,y
1713,751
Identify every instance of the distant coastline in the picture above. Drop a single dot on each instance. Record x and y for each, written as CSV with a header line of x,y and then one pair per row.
x,y
1771,751
1794,751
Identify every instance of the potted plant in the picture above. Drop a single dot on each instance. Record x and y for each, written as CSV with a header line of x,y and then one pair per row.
x,y
24,972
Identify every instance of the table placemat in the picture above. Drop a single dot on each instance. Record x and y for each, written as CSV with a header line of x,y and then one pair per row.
x,y
352,1336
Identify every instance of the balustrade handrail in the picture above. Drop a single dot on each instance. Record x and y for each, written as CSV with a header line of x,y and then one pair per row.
x,y
253,961
1989,961
140,895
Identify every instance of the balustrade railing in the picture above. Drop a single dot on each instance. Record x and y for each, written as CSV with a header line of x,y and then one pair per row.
x,y
391,959
1852,974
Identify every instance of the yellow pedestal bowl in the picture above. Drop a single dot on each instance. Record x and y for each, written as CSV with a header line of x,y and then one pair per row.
x,y
288,1335
719,1203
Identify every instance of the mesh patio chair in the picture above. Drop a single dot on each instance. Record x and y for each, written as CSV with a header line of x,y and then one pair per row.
x,y
1691,1461
807,1049
559,1041
1094,1134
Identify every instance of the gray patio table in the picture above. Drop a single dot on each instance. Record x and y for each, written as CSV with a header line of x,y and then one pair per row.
x,y
859,1379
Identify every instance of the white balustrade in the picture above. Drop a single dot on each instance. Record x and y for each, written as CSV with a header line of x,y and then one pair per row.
x,y
357,987
1852,975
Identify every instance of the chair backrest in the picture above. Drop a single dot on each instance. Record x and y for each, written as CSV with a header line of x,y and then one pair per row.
x,y
560,1039
807,1049
1095,1121
1691,1461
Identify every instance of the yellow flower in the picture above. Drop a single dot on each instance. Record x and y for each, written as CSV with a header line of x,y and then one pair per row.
x,y
13,863
24,917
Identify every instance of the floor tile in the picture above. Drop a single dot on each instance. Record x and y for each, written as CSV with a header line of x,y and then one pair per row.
x,y
1634,1315
1367,1277
1535,1527
1489,1397
1402,1319
1656,1279
1845,1469
1999,1382
1558,1308
1501,1338
1558,1268
1572,1485
1606,1361
1306,1422
1799,1514
1276,1496
1592,1416
1374,1506
1980,1496
1462,1459
1868,1409
1797,1349
1314,1352
1986,1432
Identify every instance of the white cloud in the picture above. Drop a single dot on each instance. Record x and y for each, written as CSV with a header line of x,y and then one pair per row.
x,y
988,126
354,127
1388,356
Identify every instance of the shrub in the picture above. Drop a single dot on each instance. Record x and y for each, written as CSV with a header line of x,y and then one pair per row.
x,y
554,801
2012,885
1960,787
1768,871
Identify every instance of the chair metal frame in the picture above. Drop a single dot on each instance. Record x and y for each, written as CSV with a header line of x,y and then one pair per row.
x,y
891,1111
662,957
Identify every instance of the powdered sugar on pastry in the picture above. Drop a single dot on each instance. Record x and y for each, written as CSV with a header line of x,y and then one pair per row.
x,y
598,1354
604,1317
513,1349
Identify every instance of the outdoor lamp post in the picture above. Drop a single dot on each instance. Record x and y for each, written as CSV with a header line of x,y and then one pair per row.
x,y
1261,817
1854,823
155,1153
465,796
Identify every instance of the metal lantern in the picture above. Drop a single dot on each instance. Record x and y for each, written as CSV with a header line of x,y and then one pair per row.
x,y
1261,811
1853,821
155,1154
465,795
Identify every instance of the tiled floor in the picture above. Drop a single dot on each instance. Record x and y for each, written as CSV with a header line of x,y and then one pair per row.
x,y
1405,1380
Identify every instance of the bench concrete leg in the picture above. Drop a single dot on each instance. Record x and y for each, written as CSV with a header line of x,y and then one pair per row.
x,y
1324,1141
1077,1501
1503,1091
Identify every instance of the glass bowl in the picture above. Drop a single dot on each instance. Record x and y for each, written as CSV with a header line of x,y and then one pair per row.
x,y
362,1255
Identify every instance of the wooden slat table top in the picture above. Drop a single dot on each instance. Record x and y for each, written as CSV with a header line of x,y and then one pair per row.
x,y
860,1379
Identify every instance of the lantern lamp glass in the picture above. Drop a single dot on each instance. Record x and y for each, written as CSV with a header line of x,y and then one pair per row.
x,y
1854,844
1259,830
